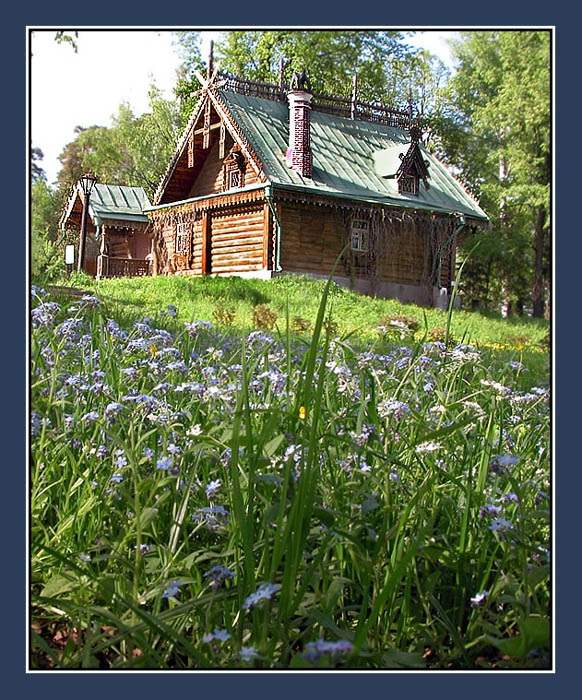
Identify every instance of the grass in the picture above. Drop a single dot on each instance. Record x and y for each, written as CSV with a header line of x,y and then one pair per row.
x,y
211,496
236,300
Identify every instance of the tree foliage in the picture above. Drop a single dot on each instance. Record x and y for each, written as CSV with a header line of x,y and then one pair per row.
x,y
496,132
330,57
132,151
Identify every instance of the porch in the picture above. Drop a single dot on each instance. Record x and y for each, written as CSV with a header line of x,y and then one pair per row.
x,y
108,266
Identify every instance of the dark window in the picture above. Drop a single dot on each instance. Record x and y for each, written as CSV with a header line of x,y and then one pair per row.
x,y
408,184
359,235
234,179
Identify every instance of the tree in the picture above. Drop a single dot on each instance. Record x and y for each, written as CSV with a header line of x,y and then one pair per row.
x,y
132,151
36,172
497,134
330,57
46,254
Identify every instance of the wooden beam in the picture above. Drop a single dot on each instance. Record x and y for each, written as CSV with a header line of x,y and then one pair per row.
x,y
266,237
206,243
210,128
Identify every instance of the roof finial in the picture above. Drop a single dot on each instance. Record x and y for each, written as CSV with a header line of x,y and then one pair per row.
x,y
354,95
409,107
210,60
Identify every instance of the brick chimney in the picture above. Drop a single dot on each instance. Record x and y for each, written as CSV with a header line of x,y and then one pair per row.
x,y
299,157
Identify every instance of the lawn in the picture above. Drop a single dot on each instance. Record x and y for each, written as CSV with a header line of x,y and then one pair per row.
x,y
283,474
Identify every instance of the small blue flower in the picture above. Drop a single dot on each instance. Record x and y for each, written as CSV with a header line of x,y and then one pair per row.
x,y
500,525
93,301
172,589
164,463
248,653
500,463
315,650
219,635
116,478
488,510
90,417
218,574
121,461
264,592
212,488
170,310
513,497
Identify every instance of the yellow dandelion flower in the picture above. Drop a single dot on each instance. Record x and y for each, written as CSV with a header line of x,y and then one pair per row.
x,y
153,350
302,412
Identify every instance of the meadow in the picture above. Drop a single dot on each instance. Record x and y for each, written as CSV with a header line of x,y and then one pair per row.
x,y
283,474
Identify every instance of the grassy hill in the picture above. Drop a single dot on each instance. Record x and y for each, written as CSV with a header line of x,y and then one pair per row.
x,y
240,305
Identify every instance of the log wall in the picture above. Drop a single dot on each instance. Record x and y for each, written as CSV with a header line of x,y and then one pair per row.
x,y
223,241
313,237
237,241
210,179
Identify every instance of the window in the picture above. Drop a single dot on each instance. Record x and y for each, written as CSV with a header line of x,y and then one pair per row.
x,y
182,239
408,184
359,232
234,179
234,170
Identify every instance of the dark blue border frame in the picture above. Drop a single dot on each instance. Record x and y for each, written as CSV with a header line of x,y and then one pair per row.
x,y
421,15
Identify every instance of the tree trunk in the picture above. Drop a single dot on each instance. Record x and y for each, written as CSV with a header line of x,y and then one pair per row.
x,y
537,295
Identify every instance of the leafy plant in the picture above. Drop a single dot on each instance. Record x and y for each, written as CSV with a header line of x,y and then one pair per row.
x,y
264,316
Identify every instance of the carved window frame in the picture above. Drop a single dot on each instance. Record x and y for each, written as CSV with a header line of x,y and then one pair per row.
x,y
234,170
359,235
183,238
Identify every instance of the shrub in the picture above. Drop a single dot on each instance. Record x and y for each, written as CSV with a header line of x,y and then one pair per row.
x,y
438,334
330,326
224,313
300,324
398,325
264,316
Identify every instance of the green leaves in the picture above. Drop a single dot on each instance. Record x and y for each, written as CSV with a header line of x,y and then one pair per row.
x,y
534,633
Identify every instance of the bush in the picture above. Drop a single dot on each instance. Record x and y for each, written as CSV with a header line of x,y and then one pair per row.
x,y
398,325
224,313
438,334
300,324
46,263
264,317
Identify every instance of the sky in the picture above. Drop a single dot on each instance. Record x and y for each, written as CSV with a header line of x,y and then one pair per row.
x,y
69,89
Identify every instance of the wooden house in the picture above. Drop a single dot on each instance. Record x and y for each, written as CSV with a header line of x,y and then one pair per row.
x,y
119,235
267,181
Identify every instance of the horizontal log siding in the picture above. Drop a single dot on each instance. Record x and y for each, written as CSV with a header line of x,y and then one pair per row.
x,y
402,257
210,179
196,264
311,238
237,241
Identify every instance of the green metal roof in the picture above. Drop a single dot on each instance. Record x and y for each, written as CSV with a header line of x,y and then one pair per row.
x,y
118,202
351,158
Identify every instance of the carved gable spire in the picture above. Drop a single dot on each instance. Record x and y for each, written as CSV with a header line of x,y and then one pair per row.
x,y
413,167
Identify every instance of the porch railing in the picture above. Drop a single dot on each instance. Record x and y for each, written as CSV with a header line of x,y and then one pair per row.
x,y
122,267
